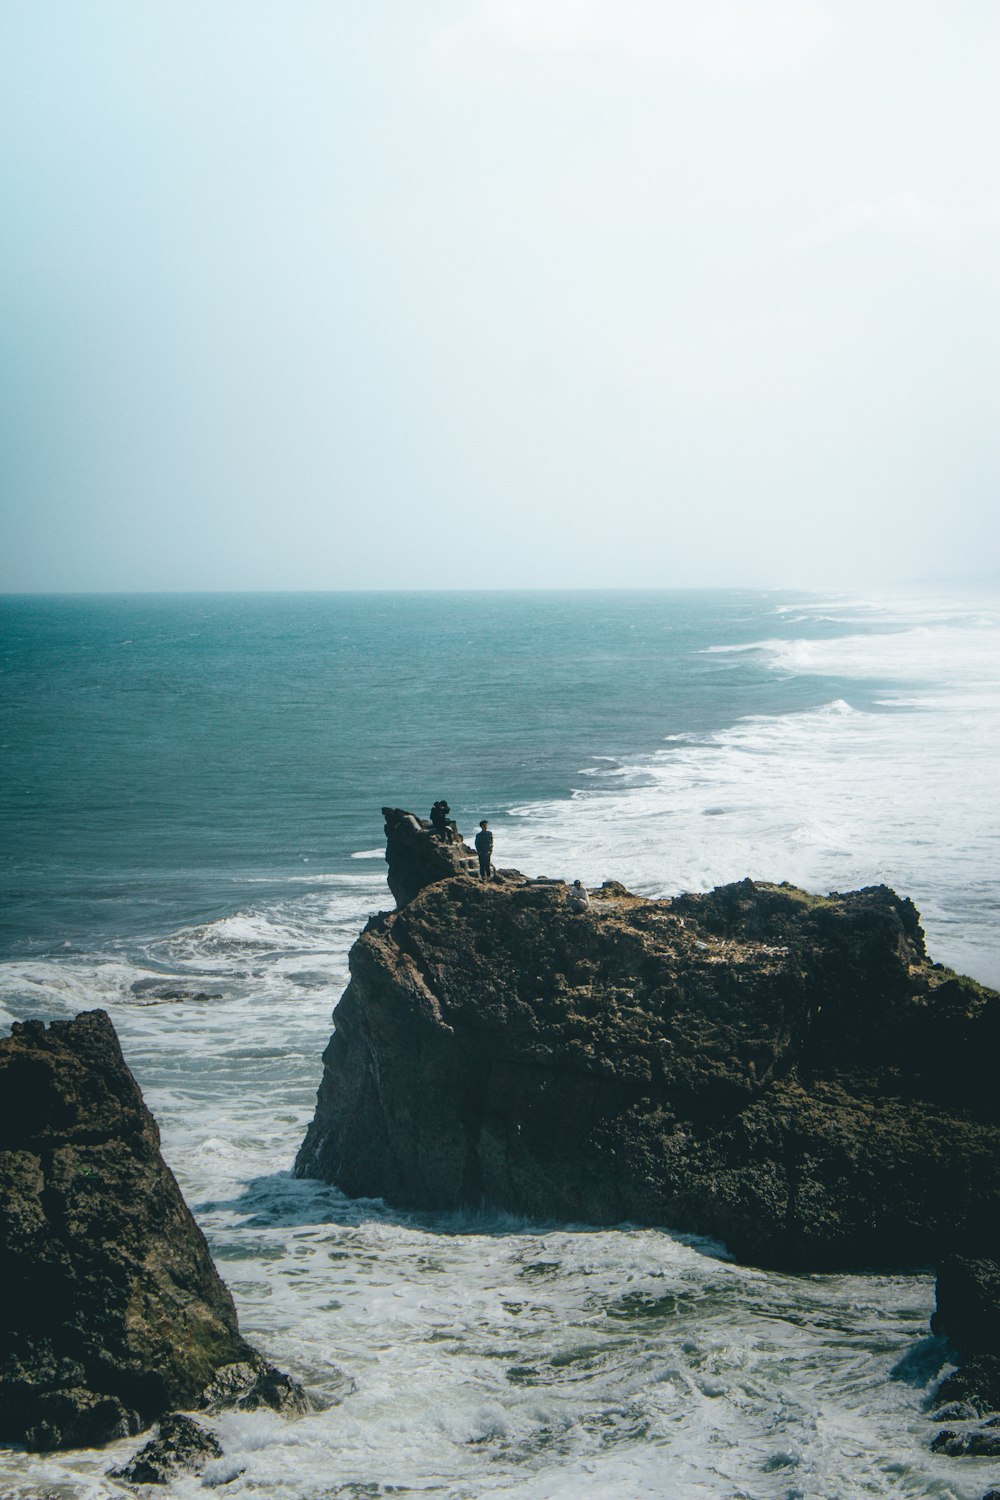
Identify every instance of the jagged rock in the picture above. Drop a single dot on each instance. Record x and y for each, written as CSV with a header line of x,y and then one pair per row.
x,y
420,852
968,1303
787,1072
112,1310
976,1442
180,1444
968,1315
251,1384
955,1411
975,1384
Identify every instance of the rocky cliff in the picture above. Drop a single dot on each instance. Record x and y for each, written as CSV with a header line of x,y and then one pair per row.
x,y
112,1310
787,1072
420,851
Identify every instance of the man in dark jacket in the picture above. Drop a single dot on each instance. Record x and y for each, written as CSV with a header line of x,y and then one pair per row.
x,y
484,848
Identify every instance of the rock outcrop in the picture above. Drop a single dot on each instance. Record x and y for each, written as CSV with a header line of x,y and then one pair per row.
x,y
786,1072
180,1445
112,1311
420,851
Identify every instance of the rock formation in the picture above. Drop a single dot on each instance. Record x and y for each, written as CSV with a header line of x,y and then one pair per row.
x,y
422,850
968,1316
112,1310
180,1444
787,1072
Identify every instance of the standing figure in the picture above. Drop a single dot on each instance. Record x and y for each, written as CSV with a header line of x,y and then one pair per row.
x,y
484,848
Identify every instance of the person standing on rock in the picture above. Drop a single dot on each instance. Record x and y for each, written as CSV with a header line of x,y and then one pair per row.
x,y
484,848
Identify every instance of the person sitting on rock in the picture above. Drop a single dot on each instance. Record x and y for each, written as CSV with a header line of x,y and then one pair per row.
x,y
579,896
439,817
484,848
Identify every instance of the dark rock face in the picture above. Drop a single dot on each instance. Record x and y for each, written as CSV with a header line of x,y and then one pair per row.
x,y
968,1303
787,1072
420,851
968,1315
112,1310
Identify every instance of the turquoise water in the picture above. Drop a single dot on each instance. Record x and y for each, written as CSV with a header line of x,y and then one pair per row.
x,y
191,838
162,750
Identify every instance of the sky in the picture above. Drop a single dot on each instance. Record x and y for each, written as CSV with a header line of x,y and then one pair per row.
x,y
320,294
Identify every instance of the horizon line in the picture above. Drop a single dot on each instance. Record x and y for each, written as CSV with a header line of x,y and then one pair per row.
x,y
893,586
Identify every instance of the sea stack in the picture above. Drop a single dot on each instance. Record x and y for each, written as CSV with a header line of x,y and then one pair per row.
x,y
787,1072
112,1310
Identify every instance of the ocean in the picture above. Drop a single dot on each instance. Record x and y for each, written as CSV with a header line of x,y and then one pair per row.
x,y
192,838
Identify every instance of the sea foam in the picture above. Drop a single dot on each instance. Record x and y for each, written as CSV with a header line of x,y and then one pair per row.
x,y
901,791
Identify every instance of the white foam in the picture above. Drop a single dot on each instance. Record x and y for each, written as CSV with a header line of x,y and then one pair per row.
x,y
833,798
942,656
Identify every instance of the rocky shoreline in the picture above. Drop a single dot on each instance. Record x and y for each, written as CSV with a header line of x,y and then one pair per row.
x,y
785,1072
788,1073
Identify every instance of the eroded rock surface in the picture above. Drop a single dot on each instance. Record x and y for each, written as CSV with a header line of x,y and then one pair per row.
x,y
112,1310
787,1072
420,851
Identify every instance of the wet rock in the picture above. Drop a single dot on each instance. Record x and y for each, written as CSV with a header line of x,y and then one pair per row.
x,y
786,1072
75,1417
159,992
112,1310
955,1411
968,1303
968,1315
975,1383
251,1384
974,1442
181,1444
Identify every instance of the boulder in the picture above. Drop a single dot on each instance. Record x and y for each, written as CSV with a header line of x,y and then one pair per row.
x,y
181,1444
977,1442
113,1312
252,1384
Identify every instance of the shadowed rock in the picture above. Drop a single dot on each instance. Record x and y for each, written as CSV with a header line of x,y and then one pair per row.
x,y
180,1444
787,1072
253,1384
968,1315
420,851
112,1310
978,1442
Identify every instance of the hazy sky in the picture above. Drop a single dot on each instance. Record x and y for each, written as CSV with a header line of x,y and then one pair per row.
x,y
450,293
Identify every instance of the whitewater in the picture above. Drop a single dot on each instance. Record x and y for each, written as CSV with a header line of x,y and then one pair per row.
x,y
470,1355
